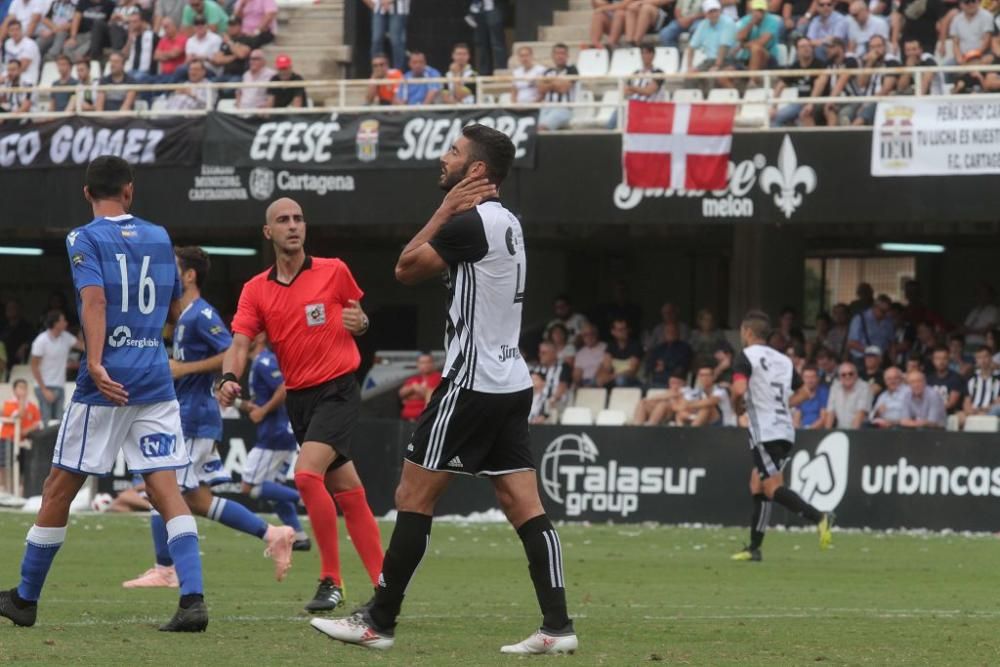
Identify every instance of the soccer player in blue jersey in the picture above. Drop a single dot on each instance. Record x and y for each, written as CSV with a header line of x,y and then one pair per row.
x,y
126,285
200,342
274,452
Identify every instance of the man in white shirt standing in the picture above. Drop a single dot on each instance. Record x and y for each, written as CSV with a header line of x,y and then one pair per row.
x,y
26,12
49,354
20,47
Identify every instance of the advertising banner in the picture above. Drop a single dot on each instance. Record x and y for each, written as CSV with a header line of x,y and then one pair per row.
x,y
919,138
376,140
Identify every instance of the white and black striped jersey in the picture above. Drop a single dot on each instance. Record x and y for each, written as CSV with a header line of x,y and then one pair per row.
x,y
487,268
878,78
984,390
570,94
640,79
554,375
771,381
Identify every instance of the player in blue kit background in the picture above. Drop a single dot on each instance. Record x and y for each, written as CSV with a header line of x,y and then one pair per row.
x,y
126,285
200,342
274,452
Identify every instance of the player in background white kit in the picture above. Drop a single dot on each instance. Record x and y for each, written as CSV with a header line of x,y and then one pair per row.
x,y
766,383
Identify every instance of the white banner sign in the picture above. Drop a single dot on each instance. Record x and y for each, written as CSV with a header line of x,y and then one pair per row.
x,y
917,138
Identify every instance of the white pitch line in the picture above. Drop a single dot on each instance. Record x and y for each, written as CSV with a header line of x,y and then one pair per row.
x,y
157,620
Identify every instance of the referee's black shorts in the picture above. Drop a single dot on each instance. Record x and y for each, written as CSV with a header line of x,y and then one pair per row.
x,y
473,433
326,413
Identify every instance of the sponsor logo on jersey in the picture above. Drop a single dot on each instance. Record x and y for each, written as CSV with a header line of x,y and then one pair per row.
x,y
573,474
508,352
157,445
316,314
122,337
78,259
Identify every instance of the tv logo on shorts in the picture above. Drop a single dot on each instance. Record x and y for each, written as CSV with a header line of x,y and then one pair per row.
x,y
157,445
572,476
821,480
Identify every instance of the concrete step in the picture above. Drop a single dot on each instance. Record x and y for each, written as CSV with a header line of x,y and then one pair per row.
x,y
570,34
572,17
322,39
580,5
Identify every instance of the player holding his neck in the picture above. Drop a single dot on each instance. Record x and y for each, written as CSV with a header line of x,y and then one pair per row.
x,y
127,288
310,309
766,384
200,342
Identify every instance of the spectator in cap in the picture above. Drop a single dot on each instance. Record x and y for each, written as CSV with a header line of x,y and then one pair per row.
x,y
757,34
714,39
290,96
871,369
258,20
383,94
257,72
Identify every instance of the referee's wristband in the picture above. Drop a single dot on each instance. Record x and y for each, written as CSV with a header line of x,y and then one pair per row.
x,y
226,377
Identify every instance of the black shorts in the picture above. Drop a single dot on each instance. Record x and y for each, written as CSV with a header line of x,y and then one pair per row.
x,y
326,413
473,433
770,457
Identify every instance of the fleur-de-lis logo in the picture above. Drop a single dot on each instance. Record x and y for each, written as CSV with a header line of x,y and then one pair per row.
x,y
787,179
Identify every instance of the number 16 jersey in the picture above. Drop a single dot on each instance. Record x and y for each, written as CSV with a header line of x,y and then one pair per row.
x,y
771,380
133,261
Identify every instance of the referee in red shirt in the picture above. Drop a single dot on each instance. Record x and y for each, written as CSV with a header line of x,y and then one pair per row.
x,y
309,307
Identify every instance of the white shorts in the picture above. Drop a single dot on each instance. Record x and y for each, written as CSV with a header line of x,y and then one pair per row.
x,y
206,465
91,436
267,465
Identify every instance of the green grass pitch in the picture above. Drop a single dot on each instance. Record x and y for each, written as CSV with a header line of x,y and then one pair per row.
x,y
640,594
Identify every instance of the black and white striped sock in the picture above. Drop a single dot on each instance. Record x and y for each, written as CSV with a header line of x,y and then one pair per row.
x,y
545,563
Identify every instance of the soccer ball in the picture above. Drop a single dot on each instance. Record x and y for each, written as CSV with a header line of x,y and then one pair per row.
x,y
101,502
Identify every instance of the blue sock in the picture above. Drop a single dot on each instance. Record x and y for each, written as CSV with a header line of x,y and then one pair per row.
x,y
43,545
287,513
279,492
159,528
236,516
183,545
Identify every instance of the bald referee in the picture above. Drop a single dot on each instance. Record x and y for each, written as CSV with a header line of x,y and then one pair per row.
x,y
310,308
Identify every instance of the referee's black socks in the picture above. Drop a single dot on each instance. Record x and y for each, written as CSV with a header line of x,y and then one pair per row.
x,y
407,545
792,501
545,563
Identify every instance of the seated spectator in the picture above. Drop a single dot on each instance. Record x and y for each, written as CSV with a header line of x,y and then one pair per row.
x,y
653,411
668,316
461,85
924,408
416,391
706,338
115,100
917,20
383,94
977,81
555,88
862,26
589,357
559,337
208,10
826,24
871,369
931,83
564,314
197,95
641,16
796,352
850,400
411,92
525,88
170,50
19,408
757,36
140,45
970,32
608,19
872,327
10,100
201,45
59,101
26,12
558,377
258,20
282,97
539,413
85,96
707,405
118,23
723,369
820,332
811,413
714,39
88,33
889,408
914,362
803,113
982,395
620,367
258,72
878,84
642,86
925,342
670,356
24,49
945,381
984,316
52,31
687,15
841,82
958,360
389,16
826,366
233,57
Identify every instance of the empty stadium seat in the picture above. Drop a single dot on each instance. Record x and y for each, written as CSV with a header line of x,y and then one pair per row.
x,y
592,398
951,424
141,105
789,93
784,55
95,70
611,418
696,59
592,62
50,74
504,99
688,95
753,111
488,98
625,62
576,416
982,424
583,116
226,105
724,95
609,103
624,399
656,393
667,58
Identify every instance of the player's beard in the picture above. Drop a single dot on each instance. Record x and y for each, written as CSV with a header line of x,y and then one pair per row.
x,y
450,179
